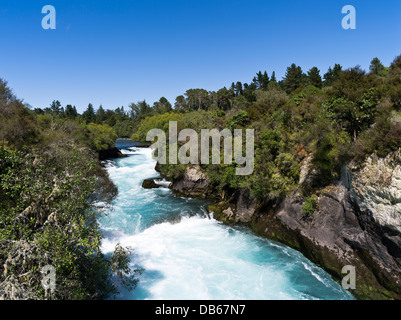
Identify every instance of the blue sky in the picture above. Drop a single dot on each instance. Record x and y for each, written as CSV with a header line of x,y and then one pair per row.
x,y
117,52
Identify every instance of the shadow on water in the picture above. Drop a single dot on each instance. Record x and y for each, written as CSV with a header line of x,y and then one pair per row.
x,y
126,143
148,279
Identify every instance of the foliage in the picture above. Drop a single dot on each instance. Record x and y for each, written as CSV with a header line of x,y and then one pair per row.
x,y
46,197
314,78
50,179
377,68
310,206
102,137
155,122
48,220
237,121
294,78
332,74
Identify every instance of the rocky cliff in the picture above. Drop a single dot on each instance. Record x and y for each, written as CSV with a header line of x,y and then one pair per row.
x,y
194,183
356,222
375,188
334,237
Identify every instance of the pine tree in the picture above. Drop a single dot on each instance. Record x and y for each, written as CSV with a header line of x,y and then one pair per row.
x,y
239,89
89,115
314,77
56,108
332,74
273,78
377,68
100,114
294,78
265,81
71,112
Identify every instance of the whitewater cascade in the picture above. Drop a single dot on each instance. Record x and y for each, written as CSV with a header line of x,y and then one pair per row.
x,y
188,255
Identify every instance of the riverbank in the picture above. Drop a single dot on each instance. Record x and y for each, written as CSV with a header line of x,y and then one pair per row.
x,y
187,255
335,235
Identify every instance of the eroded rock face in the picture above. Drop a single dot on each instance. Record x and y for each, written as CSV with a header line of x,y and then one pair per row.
x,y
310,177
195,183
357,222
376,188
245,206
240,208
333,238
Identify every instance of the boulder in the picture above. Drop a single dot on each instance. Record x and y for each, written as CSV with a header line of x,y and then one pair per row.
x,y
195,183
113,153
150,184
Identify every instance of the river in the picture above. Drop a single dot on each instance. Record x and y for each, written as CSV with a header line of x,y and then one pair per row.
x,y
187,255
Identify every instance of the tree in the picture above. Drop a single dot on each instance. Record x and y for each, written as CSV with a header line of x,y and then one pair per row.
x,y
100,115
237,121
71,112
332,74
314,77
89,115
294,78
239,89
273,78
249,92
180,104
140,110
395,68
261,80
197,99
103,137
265,81
232,88
352,84
162,106
353,116
111,118
377,68
6,94
224,99
56,108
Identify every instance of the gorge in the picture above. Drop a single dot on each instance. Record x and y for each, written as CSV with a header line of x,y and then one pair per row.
x,y
356,221
187,254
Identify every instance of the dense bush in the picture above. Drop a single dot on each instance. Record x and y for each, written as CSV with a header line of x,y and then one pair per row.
x,y
50,179
102,137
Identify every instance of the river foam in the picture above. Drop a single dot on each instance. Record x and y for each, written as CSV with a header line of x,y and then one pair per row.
x,y
188,255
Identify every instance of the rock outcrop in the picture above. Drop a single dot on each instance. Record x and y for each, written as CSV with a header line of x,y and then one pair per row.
x,y
356,223
335,237
150,184
376,189
113,153
239,208
195,183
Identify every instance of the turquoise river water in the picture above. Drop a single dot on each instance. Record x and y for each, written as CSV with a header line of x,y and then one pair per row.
x,y
187,255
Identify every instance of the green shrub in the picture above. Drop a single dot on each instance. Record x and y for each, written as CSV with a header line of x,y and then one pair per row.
x,y
310,206
237,121
102,137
